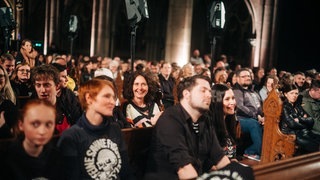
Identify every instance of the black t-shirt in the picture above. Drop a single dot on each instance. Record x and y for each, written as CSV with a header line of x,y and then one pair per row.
x,y
175,143
17,164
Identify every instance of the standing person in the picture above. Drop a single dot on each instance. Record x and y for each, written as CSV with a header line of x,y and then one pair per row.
x,y
167,83
184,144
94,148
8,109
32,156
311,104
249,112
294,120
222,110
7,61
141,110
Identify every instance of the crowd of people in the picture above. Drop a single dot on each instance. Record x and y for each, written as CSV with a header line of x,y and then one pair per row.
x,y
198,112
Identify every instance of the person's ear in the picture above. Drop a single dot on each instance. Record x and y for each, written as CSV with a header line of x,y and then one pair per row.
x,y
88,98
186,93
20,125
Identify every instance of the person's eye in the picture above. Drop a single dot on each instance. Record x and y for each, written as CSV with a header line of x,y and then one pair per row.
x,y
35,124
49,124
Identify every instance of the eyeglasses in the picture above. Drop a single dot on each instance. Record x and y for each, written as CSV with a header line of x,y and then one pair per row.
x,y
2,76
24,70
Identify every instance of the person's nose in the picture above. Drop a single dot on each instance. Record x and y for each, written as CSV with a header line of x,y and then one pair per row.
x,y
42,89
42,130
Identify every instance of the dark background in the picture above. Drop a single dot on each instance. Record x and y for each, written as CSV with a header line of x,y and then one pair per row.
x,y
298,47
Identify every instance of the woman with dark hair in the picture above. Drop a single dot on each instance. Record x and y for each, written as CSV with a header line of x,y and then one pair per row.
x,y
222,112
294,120
140,109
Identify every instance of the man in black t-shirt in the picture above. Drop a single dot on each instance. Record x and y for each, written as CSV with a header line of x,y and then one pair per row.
x,y
184,145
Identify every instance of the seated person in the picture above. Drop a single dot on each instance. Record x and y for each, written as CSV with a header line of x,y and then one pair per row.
x,y
8,109
311,104
222,112
294,120
93,148
32,156
141,110
21,84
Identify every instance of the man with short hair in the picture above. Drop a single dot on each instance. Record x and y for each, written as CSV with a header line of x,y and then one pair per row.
x,y
184,145
167,83
7,61
311,104
249,112
46,80
299,80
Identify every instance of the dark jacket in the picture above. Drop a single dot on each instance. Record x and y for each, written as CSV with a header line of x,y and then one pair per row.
x,y
249,104
312,107
17,164
68,105
287,123
10,116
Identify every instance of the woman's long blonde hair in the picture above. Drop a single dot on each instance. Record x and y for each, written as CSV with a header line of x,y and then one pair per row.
x,y
6,91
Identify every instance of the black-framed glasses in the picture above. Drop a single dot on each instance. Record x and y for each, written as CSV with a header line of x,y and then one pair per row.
x,y
24,70
2,75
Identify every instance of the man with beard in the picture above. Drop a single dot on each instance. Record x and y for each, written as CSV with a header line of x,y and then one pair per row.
x,y
311,104
184,145
249,112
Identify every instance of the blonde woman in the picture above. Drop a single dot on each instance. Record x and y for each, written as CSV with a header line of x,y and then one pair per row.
x,y
8,110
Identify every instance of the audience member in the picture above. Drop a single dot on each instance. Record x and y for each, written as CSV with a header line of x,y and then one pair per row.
x,y
270,82
311,104
7,61
140,109
32,156
8,109
27,53
249,112
222,112
118,115
21,83
184,145
67,102
46,80
294,120
154,67
94,148
220,76
167,83
258,75
196,58
300,81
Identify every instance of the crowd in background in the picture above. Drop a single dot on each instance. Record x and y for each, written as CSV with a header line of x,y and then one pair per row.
x,y
141,95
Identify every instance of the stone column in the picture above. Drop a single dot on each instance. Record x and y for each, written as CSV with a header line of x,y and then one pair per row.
x,y
100,31
179,31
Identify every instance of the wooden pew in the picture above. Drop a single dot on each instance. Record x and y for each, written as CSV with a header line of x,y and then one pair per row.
x,y
138,143
275,144
300,167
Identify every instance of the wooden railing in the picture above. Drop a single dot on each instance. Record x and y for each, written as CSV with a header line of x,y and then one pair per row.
x,y
300,167
275,144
